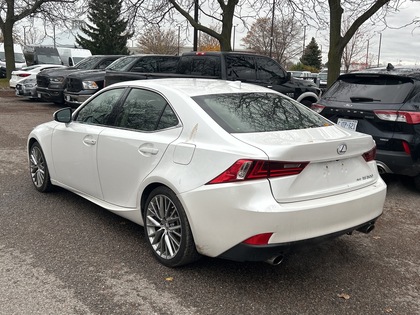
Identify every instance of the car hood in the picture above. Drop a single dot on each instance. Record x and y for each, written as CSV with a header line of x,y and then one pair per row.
x,y
88,74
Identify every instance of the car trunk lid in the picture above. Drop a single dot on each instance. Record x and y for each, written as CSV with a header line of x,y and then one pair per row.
x,y
335,157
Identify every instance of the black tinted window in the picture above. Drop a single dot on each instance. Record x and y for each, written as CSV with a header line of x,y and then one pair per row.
x,y
98,110
146,111
269,71
370,88
200,65
241,68
258,112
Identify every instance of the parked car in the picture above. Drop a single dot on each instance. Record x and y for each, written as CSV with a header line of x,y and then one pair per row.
x,y
20,60
384,103
211,167
51,84
322,79
82,85
235,66
29,73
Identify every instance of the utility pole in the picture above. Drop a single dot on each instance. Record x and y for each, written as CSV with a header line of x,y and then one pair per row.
x,y
272,28
195,43
380,43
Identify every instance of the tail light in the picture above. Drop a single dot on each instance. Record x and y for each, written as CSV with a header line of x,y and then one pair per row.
x,y
256,169
317,108
399,116
23,75
370,155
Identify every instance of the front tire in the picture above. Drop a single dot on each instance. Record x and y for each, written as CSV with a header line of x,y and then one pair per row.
x,y
167,230
38,168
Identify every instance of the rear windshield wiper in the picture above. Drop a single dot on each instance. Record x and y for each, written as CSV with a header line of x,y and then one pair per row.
x,y
358,99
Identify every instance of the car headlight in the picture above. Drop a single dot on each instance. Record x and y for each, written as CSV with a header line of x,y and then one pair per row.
x,y
90,85
29,83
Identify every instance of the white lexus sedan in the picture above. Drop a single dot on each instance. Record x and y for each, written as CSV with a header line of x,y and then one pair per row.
x,y
208,167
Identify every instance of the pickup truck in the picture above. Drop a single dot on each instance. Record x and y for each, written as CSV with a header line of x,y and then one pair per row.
x,y
51,83
245,67
81,85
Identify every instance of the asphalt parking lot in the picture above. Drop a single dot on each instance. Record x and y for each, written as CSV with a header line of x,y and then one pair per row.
x,y
60,254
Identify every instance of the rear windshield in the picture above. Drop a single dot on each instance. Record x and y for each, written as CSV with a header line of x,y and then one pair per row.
x,y
370,88
258,112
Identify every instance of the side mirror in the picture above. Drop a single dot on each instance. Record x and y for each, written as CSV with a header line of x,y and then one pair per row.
x,y
63,115
288,76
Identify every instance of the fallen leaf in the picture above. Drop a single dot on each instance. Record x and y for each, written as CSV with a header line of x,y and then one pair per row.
x,y
169,279
376,237
388,310
344,296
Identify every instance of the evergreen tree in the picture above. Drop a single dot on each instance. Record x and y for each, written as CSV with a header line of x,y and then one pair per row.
x,y
106,32
312,56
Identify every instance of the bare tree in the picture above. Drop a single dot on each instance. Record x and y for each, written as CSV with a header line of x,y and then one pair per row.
x,y
157,41
285,44
355,50
12,11
200,14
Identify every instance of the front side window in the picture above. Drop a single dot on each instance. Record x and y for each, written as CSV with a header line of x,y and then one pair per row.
x,y
241,68
258,112
98,111
269,71
144,110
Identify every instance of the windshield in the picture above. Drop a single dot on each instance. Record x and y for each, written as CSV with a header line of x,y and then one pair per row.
x,y
49,59
122,63
258,112
86,63
370,88
19,57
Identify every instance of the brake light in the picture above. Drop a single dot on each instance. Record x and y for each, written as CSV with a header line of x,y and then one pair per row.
x,y
317,108
255,169
23,75
200,53
370,155
399,116
259,239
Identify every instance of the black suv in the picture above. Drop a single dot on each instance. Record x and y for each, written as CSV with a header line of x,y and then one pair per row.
x,y
385,103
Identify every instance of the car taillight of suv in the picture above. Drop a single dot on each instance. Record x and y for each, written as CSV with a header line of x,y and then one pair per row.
x,y
385,103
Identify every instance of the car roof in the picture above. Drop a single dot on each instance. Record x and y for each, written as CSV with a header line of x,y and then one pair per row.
x,y
404,71
194,87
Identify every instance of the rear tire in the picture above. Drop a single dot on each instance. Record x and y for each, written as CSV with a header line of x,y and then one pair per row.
x,y
38,168
167,230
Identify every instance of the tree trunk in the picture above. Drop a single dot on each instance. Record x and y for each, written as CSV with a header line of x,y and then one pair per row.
x,y
8,48
336,50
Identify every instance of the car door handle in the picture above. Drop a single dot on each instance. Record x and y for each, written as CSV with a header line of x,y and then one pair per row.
x,y
148,150
89,141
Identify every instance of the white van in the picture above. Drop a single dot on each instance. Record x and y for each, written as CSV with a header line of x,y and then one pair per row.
x,y
20,60
71,56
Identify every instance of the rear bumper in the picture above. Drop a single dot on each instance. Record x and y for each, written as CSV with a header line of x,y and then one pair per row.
x,y
245,252
222,217
397,163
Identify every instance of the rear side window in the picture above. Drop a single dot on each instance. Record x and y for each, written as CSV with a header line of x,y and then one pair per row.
x,y
200,65
370,88
258,112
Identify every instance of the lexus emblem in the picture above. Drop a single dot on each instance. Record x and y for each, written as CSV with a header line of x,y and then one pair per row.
x,y
342,148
